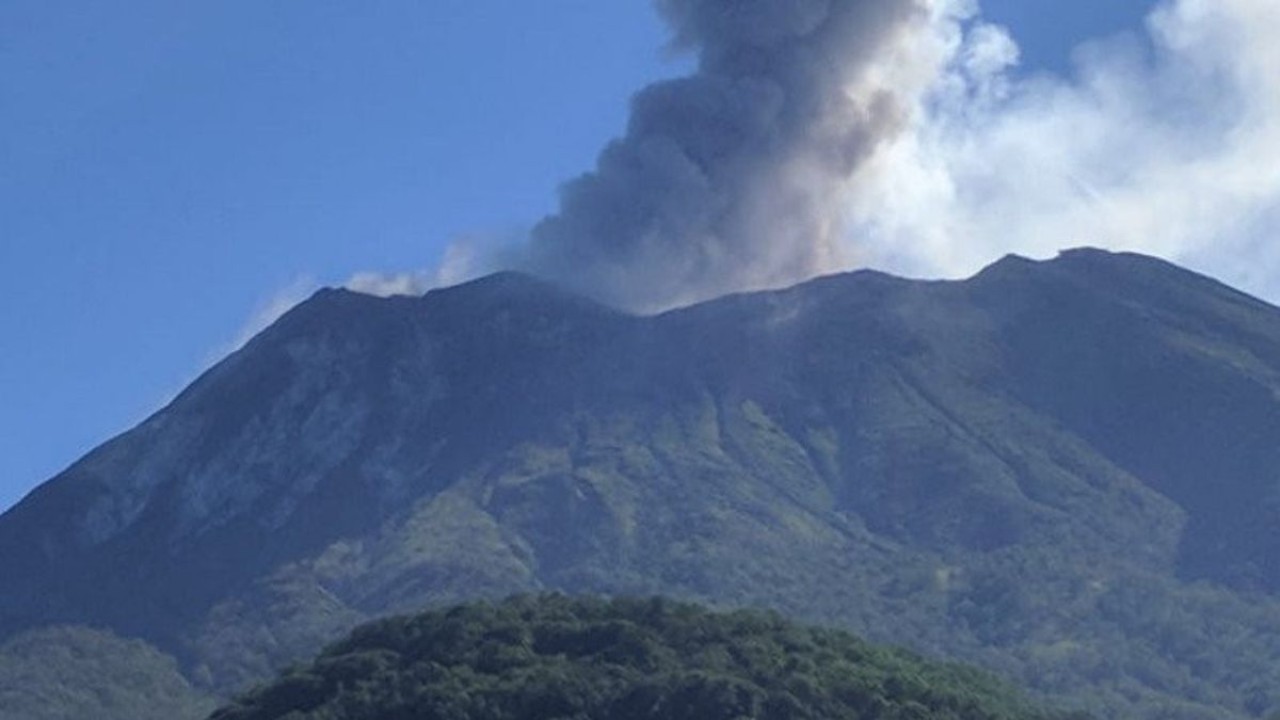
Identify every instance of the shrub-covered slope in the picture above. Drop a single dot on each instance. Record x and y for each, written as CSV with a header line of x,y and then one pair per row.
x,y
68,673
551,657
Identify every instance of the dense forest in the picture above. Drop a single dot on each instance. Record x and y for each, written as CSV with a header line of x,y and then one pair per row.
x,y
556,657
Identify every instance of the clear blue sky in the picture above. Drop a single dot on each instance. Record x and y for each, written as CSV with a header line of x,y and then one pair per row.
x,y
167,167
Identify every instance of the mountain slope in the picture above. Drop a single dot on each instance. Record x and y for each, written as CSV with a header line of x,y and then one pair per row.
x,y
1063,470
64,673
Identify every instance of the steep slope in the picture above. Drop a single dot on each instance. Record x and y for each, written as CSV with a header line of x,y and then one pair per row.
x,y
1063,470
1174,379
346,409
548,657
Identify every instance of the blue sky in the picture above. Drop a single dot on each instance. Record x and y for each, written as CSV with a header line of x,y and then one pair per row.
x,y
169,172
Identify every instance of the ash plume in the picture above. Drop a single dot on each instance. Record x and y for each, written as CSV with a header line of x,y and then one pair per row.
x,y
731,178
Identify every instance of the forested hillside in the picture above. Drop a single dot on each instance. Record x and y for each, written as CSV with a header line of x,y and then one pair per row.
x,y
553,657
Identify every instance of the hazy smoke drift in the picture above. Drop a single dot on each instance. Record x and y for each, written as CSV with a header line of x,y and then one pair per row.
x,y
732,178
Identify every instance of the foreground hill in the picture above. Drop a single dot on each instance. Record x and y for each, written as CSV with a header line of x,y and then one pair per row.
x,y
1065,471
550,657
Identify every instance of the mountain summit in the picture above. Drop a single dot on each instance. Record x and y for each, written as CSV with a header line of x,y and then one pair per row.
x,y
1063,470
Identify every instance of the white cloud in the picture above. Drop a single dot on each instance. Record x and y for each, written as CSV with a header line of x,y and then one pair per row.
x,y
263,315
459,263
1171,149
270,310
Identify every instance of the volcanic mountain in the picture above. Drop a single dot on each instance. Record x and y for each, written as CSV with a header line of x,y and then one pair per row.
x,y
1065,471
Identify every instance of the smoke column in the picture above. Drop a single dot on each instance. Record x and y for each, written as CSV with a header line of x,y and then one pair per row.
x,y
731,179
821,135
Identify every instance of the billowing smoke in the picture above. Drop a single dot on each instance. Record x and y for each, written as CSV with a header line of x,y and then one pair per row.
x,y
733,178
823,135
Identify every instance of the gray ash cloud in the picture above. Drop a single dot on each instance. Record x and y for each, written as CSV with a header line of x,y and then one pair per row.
x,y
731,178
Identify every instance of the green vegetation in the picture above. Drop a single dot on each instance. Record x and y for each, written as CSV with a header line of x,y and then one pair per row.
x,y
553,657
70,673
